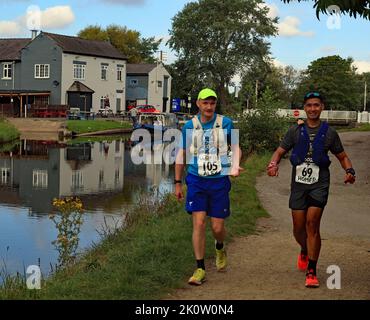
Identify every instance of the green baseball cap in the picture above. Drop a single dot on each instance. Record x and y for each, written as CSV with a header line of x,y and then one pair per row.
x,y
206,93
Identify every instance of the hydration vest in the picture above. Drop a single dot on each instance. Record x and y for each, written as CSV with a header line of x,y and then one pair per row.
x,y
218,136
300,150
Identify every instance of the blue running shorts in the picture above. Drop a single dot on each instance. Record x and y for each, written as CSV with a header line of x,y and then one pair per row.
x,y
208,194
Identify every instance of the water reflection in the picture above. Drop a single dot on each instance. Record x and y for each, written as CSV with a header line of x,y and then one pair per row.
x,y
33,173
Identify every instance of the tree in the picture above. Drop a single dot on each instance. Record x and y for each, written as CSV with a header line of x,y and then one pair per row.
x,y
128,42
336,79
353,8
282,81
218,38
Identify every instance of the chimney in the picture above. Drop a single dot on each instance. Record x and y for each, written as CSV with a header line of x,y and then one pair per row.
x,y
34,34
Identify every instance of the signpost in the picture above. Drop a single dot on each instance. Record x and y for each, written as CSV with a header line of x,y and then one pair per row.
x,y
176,105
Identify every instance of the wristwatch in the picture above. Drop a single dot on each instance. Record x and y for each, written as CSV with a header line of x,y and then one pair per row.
x,y
351,171
177,181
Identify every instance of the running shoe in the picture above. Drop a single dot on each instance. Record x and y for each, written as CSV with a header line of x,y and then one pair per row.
x,y
302,262
221,260
198,277
311,280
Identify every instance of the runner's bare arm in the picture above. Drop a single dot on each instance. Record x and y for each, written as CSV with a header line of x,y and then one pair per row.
x,y
179,169
346,164
237,156
273,168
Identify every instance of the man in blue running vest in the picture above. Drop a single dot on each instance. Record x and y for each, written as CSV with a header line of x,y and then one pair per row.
x,y
205,146
310,142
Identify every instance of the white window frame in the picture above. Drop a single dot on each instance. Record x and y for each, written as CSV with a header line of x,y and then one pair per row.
x,y
119,74
42,75
40,179
7,67
5,174
79,71
104,70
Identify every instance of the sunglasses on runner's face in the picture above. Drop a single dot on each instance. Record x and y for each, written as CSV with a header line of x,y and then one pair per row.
x,y
312,95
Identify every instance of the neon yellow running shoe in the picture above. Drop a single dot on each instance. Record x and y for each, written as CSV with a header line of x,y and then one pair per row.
x,y
221,260
198,277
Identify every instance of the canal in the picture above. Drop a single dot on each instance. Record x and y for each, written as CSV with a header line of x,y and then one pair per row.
x,y
101,174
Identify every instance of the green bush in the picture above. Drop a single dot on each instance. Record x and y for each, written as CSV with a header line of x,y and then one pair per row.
x,y
261,129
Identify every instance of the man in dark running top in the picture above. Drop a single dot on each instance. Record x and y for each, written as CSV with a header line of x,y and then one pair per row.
x,y
310,142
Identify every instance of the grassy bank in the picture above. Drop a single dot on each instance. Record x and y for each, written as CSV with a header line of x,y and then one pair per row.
x,y
151,257
85,126
7,131
359,128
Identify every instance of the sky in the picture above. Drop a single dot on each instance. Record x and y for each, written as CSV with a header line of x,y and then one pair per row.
x,y
302,37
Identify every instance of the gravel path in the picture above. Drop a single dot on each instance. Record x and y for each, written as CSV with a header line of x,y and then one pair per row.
x,y
262,266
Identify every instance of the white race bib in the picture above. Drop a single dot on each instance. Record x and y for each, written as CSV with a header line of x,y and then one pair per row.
x,y
209,164
307,173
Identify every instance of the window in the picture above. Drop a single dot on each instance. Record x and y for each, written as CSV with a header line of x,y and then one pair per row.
x,y
77,180
102,100
104,69
134,82
116,177
160,84
5,175
119,73
79,71
41,100
118,146
40,179
7,71
42,71
118,104
101,179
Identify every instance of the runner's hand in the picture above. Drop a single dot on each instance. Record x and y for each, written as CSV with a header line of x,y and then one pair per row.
x,y
235,172
178,192
273,169
349,178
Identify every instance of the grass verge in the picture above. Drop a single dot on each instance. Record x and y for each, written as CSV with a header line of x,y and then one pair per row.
x,y
85,126
7,131
153,255
360,128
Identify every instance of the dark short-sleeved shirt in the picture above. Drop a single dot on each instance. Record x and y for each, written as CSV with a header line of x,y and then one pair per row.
x,y
332,144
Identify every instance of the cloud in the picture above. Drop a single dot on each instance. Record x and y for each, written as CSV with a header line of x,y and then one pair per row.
x,y
289,27
277,63
273,9
165,38
362,66
9,29
57,17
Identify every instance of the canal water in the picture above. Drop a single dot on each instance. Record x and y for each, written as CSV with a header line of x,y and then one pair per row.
x,y
101,174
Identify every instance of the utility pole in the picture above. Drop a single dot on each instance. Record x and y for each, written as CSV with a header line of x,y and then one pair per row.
x,y
256,93
365,96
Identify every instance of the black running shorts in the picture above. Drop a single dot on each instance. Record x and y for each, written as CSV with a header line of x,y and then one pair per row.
x,y
303,199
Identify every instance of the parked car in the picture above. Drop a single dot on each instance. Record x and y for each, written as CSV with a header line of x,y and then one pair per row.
x,y
145,108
